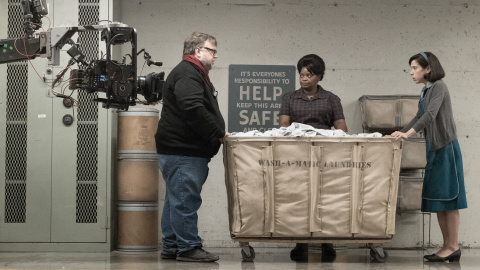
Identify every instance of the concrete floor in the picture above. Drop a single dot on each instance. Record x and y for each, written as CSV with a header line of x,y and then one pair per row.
x,y
230,258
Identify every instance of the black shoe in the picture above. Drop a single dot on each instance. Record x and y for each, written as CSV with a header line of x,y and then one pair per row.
x,y
299,253
328,257
454,257
169,256
197,255
328,249
328,253
429,256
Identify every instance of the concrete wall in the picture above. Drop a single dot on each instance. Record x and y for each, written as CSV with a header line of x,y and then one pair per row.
x,y
366,46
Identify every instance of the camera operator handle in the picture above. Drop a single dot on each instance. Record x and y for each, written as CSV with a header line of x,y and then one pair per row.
x,y
156,63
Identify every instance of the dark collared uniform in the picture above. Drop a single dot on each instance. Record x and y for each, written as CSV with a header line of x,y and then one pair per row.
x,y
320,111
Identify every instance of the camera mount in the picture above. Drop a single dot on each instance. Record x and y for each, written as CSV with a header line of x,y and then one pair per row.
x,y
118,80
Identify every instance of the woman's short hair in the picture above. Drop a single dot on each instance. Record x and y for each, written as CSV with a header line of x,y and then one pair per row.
x,y
197,40
436,69
313,63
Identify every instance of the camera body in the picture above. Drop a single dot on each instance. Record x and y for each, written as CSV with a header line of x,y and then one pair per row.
x,y
119,83
118,79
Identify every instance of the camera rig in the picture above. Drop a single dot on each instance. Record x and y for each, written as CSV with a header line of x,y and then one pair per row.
x,y
117,79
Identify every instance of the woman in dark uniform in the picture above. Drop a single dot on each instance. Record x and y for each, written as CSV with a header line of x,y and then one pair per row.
x,y
315,106
443,187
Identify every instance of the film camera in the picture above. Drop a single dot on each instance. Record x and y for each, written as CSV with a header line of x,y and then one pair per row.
x,y
118,80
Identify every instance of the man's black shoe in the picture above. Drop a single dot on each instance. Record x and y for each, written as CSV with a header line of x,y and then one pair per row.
x,y
197,255
169,256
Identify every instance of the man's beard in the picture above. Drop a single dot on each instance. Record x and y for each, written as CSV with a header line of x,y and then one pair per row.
x,y
208,66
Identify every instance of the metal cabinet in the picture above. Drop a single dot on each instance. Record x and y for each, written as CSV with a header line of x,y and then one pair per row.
x,y
55,188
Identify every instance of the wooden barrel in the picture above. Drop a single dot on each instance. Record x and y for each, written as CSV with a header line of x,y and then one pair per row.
x,y
137,179
136,130
137,226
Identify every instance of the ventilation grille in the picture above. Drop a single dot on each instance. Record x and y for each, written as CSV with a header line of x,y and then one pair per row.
x,y
16,125
87,124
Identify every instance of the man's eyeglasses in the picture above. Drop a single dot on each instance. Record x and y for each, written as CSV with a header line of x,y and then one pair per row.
x,y
214,52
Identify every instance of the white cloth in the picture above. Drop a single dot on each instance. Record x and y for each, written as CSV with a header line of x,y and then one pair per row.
x,y
302,130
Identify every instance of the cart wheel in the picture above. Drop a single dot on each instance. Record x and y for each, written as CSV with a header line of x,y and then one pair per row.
x,y
248,257
377,256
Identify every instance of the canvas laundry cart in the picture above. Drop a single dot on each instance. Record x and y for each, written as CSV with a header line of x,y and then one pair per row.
x,y
312,190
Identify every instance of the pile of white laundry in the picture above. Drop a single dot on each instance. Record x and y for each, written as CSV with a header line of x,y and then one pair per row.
x,y
302,130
